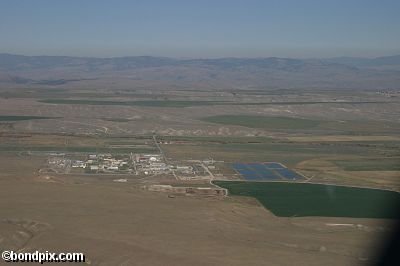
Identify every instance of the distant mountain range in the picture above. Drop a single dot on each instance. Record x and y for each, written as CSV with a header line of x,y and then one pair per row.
x,y
385,62
272,72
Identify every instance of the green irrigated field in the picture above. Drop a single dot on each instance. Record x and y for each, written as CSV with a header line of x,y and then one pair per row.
x,y
349,127
12,118
302,199
146,103
118,120
218,139
84,149
181,103
263,121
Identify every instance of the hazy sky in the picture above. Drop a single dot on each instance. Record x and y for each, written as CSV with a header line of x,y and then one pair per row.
x,y
201,28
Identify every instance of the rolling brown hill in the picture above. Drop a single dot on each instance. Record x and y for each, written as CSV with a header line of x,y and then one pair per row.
x,y
350,73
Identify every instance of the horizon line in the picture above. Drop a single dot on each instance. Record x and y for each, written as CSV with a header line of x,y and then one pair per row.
x,y
198,58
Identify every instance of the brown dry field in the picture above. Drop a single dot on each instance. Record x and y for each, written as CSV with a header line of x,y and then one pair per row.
x,y
121,224
325,171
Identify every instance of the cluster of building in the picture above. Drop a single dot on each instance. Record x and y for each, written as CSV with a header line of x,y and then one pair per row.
x,y
58,163
389,92
104,163
138,164
150,164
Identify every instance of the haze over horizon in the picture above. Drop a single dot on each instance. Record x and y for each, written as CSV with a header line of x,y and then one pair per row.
x,y
182,29
201,57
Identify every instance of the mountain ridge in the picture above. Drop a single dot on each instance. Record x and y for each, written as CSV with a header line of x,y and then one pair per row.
x,y
341,72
